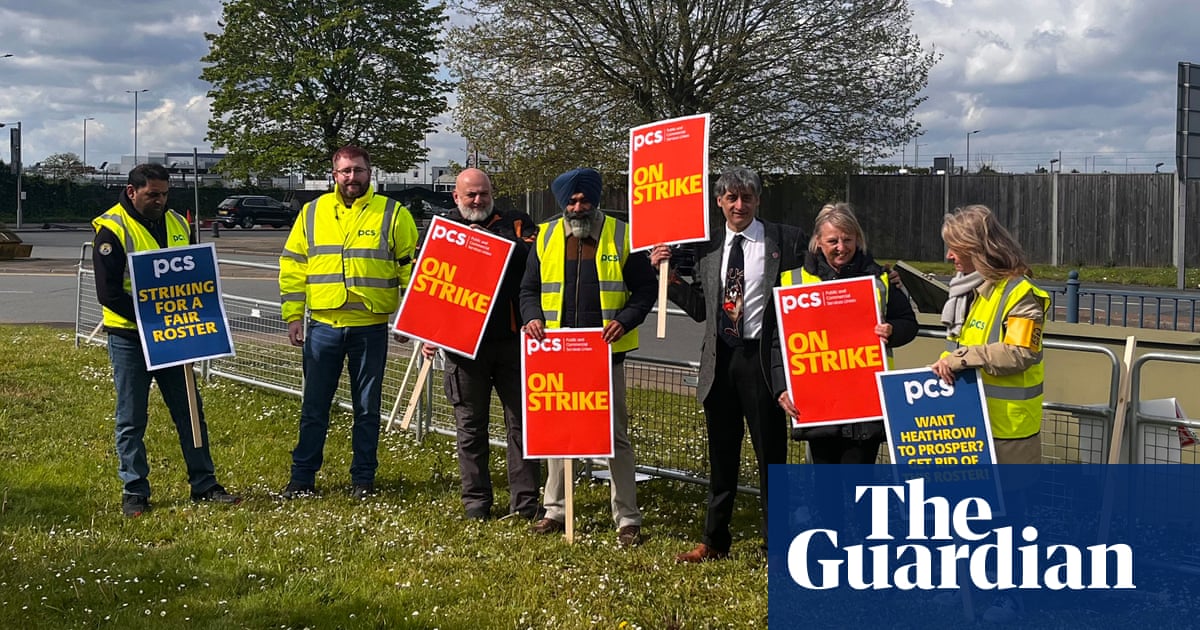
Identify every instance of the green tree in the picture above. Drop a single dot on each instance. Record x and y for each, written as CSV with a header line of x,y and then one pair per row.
x,y
61,166
549,84
294,80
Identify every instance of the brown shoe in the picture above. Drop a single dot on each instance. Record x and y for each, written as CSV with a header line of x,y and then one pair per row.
x,y
702,553
630,536
547,526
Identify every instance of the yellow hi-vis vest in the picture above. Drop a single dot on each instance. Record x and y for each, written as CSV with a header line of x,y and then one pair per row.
x,y
612,251
136,238
1015,401
360,261
787,279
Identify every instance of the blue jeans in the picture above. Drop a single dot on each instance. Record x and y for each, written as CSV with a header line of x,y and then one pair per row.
x,y
132,382
325,350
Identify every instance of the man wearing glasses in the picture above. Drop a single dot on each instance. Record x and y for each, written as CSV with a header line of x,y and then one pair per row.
x,y
349,253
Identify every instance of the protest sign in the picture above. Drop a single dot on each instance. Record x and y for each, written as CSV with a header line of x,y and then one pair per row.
x,y
830,350
668,182
177,300
933,423
567,390
454,283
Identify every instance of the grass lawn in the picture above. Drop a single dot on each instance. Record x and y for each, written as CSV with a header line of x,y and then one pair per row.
x,y
404,559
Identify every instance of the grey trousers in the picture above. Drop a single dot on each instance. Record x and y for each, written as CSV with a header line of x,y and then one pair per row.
x,y
624,484
469,384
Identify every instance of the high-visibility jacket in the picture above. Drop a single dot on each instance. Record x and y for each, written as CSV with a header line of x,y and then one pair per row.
x,y
788,278
137,238
612,251
1014,401
349,274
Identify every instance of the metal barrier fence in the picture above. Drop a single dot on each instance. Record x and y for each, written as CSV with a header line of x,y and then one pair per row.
x,y
666,421
1121,307
1152,438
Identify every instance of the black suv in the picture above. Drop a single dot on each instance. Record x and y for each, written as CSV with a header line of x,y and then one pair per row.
x,y
250,210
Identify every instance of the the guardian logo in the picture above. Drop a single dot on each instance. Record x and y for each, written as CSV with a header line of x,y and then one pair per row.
x,y
908,563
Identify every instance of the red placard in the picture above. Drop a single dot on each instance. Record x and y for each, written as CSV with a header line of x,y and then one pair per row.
x,y
567,388
668,182
830,350
453,284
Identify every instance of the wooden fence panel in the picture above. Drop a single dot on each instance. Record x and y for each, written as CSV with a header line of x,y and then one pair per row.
x,y
1125,219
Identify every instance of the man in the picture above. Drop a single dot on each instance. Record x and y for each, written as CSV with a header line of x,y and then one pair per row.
x,y
581,274
139,222
739,266
497,364
347,256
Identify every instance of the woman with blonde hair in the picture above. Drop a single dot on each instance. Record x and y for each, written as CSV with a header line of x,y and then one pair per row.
x,y
837,250
997,328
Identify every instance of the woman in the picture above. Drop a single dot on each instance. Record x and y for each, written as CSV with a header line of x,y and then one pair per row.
x,y
1001,331
838,250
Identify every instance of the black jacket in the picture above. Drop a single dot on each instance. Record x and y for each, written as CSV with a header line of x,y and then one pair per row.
x,y
520,229
581,297
898,313
108,261
701,298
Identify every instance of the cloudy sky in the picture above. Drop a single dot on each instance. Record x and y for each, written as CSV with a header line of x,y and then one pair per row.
x,y
1093,80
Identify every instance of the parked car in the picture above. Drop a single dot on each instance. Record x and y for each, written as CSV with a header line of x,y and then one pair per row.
x,y
250,210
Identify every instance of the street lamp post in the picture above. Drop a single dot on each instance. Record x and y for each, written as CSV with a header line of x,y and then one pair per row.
x,y
16,159
1054,209
1158,165
84,158
135,121
917,153
967,167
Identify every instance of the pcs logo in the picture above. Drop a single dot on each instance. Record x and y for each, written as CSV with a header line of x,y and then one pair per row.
x,y
175,264
793,301
441,232
931,388
533,346
645,139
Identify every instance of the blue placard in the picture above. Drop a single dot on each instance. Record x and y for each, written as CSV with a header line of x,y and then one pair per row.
x,y
932,423
180,314
1081,545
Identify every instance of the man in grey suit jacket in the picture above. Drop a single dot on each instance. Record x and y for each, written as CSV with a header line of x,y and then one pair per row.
x,y
735,361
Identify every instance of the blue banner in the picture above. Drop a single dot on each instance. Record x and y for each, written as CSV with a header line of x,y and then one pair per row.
x,y
932,423
180,314
1079,545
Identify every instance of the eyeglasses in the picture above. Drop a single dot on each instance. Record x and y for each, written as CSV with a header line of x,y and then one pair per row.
x,y
357,170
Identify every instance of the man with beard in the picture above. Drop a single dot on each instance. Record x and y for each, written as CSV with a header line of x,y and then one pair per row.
x,y
349,253
141,221
497,364
581,274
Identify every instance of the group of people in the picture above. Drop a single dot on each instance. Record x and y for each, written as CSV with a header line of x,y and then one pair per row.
x,y
350,253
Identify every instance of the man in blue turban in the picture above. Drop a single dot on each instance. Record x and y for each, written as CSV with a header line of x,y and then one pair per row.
x,y
582,219
582,274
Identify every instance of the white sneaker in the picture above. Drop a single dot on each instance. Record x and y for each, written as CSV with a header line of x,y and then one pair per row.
x,y
1005,609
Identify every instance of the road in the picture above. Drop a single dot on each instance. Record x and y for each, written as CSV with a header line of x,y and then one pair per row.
x,y
42,288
